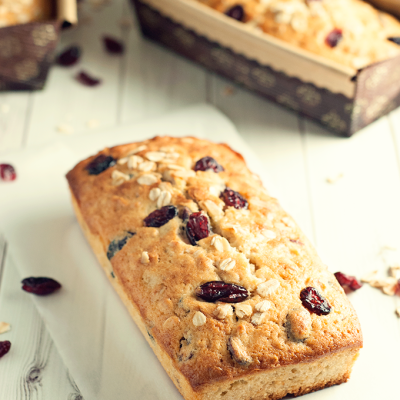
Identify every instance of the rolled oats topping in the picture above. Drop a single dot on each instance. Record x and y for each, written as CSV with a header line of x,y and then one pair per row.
x,y
183,174
270,235
154,194
227,264
176,167
267,288
223,311
134,161
147,179
123,160
258,318
213,210
243,310
138,149
147,166
119,177
145,259
221,244
164,199
156,156
263,306
199,318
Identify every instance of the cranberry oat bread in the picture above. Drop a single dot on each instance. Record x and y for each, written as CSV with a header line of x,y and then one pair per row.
x,y
351,32
227,290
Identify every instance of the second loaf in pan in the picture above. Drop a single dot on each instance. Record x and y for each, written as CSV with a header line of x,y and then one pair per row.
x,y
351,32
272,343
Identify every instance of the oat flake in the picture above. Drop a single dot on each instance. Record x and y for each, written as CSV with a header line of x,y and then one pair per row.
x,y
4,327
145,259
199,319
267,288
147,179
263,306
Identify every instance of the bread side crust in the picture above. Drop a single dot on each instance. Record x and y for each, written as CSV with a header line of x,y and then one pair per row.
x,y
177,377
257,385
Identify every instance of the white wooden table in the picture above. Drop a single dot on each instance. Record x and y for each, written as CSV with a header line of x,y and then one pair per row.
x,y
359,214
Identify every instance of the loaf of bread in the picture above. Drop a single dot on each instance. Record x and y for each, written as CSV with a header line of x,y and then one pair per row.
x,y
351,32
14,12
227,290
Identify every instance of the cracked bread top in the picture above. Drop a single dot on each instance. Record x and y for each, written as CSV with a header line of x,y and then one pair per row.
x,y
258,247
351,32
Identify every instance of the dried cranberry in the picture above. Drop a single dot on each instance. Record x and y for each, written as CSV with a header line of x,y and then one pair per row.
x,y
69,57
87,80
206,163
334,37
197,227
221,291
160,217
116,245
100,164
233,199
112,45
40,286
314,301
236,12
4,347
7,172
395,40
347,282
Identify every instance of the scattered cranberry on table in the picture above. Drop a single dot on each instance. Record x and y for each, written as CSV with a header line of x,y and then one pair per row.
x,y
347,282
112,45
87,80
40,286
69,56
4,347
7,172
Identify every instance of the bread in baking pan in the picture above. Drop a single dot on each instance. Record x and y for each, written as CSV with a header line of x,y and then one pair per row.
x,y
351,32
14,12
217,276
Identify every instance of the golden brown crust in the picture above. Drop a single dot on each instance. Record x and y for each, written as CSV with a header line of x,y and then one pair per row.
x,y
158,269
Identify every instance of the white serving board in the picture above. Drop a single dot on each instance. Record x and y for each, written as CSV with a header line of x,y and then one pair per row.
x,y
99,343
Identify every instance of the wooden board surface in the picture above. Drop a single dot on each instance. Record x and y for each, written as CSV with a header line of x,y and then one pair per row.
x,y
352,221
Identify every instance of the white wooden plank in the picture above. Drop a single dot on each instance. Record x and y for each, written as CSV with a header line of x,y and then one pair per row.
x,y
33,369
64,101
14,111
157,80
273,134
354,219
